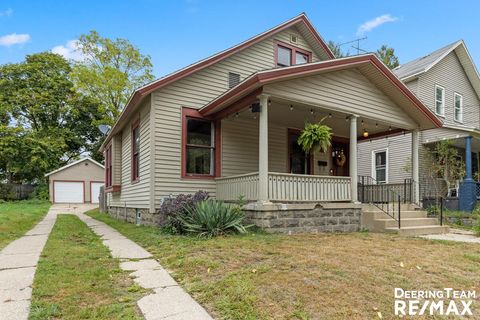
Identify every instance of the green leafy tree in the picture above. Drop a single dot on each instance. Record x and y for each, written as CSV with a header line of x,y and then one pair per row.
x,y
110,72
336,50
43,122
387,55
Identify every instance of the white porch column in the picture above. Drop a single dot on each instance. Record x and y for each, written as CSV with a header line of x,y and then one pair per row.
x,y
263,150
415,171
353,157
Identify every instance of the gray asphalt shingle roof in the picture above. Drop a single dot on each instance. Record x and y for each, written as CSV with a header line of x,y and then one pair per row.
x,y
424,63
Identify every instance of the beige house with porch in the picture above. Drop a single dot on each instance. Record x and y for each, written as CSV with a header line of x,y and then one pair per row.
x,y
229,124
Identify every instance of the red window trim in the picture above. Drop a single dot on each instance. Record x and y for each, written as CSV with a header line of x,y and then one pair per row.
x,y
294,51
135,176
108,166
193,113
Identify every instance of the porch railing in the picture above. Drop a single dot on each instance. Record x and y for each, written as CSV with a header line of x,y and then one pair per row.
x,y
383,196
297,187
285,187
231,188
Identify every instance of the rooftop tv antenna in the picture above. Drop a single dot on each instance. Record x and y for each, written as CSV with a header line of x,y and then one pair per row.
x,y
357,41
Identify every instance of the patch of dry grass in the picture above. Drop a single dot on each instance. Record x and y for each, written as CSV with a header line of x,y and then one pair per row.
x,y
326,276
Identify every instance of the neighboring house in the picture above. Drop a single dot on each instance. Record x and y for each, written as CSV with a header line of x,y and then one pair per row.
x,y
448,83
77,182
228,124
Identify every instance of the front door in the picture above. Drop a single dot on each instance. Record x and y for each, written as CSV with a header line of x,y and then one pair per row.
x,y
299,162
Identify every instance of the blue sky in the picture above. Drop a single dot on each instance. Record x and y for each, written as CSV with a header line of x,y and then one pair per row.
x,y
177,33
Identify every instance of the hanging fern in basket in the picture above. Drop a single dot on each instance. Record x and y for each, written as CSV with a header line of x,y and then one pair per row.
x,y
315,137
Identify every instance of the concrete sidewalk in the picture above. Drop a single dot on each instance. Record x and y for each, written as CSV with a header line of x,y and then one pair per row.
x,y
168,300
18,263
457,235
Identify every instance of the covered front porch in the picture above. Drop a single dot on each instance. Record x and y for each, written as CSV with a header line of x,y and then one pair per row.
x,y
261,160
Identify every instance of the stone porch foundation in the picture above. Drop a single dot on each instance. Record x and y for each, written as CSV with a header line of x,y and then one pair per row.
x,y
134,215
306,217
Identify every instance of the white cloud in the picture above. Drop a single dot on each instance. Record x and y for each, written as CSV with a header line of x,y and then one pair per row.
x,y
11,39
6,13
374,23
71,50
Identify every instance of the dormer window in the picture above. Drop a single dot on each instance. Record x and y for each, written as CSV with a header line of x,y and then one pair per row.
x,y
287,55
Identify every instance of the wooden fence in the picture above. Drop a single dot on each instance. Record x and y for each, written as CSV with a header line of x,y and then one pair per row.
x,y
12,191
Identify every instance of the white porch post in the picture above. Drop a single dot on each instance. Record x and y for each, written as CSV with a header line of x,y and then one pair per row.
x,y
263,150
353,157
415,171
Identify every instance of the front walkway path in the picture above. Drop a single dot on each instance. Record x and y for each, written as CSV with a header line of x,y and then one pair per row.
x,y
168,300
457,235
18,263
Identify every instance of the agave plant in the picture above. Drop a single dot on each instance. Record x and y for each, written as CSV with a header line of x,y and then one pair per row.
x,y
212,218
315,137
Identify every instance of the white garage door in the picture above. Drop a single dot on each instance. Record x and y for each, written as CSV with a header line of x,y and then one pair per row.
x,y
68,192
95,191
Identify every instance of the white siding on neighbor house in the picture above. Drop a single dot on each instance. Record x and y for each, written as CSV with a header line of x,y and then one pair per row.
x,y
399,155
195,91
450,74
135,194
346,91
412,85
240,147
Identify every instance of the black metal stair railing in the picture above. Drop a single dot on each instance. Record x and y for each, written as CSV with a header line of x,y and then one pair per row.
x,y
383,196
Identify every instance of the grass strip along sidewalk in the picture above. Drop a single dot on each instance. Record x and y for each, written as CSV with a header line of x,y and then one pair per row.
x,y
77,278
18,217
324,276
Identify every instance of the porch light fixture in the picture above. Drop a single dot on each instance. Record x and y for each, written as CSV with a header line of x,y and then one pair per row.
x,y
329,115
376,125
255,107
390,128
311,111
237,115
291,108
365,133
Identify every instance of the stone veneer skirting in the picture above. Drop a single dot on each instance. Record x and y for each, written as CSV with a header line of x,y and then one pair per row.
x,y
276,217
130,215
312,218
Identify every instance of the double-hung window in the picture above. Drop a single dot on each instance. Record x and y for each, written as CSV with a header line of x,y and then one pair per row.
x,y
458,107
440,100
136,152
380,166
199,147
289,55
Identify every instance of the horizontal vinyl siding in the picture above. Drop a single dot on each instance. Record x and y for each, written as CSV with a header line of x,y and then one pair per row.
x,y
195,91
413,85
450,74
135,194
240,147
399,154
346,91
438,134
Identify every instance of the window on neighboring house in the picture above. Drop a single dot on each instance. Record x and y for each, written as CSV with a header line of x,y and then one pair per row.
x,y
458,108
380,166
136,152
289,55
233,79
439,100
200,147
108,166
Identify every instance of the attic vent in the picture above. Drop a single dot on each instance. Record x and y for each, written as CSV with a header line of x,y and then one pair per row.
x,y
233,79
293,38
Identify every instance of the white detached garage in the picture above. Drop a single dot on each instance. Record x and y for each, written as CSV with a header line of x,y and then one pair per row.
x,y
77,182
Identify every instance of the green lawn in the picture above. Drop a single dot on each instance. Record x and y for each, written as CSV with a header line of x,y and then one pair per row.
x,y
77,278
324,276
17,217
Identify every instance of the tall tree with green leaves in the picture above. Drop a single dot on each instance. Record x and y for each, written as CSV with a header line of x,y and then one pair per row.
x,y
387,55
43,122
110,71
336,50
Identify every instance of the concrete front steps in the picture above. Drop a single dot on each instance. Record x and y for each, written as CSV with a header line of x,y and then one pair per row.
x,y
414,222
